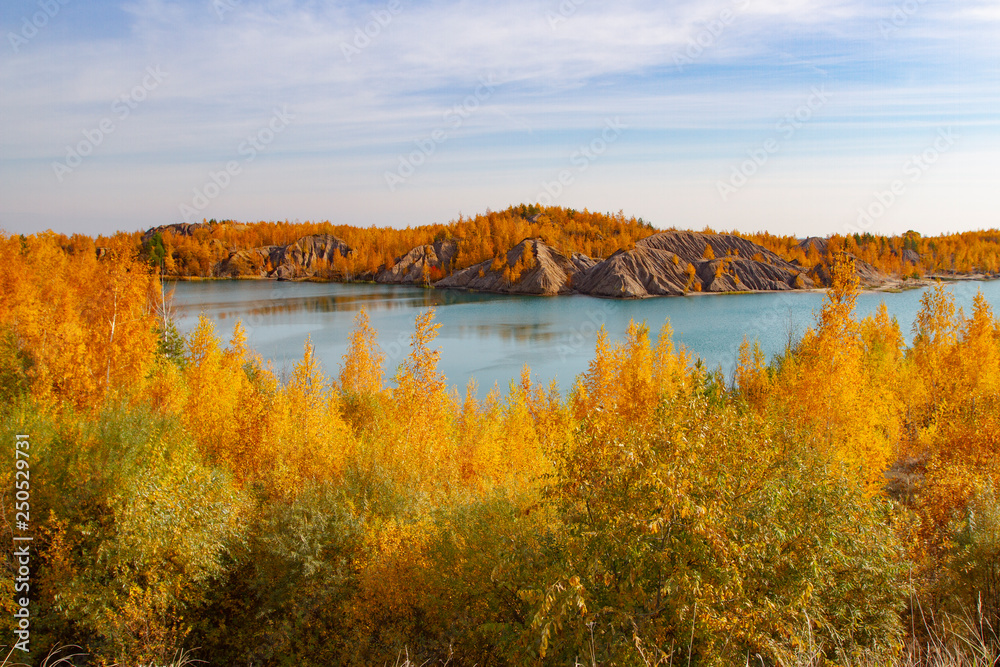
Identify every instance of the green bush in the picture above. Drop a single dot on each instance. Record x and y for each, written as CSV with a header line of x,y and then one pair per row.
x,y
712,537
15,368
970,589
129,529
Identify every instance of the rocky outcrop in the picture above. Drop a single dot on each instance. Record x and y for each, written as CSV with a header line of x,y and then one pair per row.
x,y
736,274
242,263
692,246
530,267
665,264
421,265
868,274
635,273
820,245
189,228
674,263
309,257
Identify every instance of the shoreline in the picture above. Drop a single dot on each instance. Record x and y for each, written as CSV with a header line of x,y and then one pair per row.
x,y
894,285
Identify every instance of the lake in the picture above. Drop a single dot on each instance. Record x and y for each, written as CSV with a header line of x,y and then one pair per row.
x,y
490,337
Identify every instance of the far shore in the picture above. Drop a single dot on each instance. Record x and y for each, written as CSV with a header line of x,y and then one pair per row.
x,y
894,285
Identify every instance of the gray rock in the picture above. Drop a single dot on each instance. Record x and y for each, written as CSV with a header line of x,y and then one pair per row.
x,y
306,258
415,266
548,272
674,263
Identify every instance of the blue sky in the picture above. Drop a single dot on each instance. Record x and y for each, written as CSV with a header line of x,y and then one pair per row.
x,y
804,117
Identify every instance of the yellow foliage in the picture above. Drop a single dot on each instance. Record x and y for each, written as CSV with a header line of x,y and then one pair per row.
x,y
829,385
418,445
390,576
625,383
505,445
166,389
953,394
308,441
849,393
752,378
216,386
362,372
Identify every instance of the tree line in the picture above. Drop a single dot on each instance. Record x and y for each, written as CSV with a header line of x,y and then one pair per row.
x,y
488,236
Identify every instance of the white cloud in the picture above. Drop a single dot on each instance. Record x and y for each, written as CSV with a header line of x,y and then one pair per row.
x,y
225,76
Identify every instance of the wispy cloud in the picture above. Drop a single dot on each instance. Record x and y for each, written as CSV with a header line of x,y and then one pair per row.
x,y
557,82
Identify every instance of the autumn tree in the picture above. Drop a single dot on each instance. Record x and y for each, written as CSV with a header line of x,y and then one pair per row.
x,y
829,386
361,372
309,440
682,539
421,447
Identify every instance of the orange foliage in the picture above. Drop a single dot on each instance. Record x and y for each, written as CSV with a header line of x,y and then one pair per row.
x,y
362,369
832,385
908,255
480,238
88,324
626,382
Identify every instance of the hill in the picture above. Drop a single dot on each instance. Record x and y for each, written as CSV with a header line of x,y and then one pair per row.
x,y
601,254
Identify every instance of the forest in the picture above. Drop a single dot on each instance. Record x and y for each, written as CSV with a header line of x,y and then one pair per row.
x,y
835,505
198,250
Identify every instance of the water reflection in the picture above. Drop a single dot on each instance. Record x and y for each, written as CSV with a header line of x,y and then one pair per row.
x,y
518,333
194,298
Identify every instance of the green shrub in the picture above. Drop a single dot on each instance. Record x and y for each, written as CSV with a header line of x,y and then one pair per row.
x,y
712,537
129,528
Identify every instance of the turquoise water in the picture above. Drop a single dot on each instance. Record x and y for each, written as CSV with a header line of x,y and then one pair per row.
x,y
490,337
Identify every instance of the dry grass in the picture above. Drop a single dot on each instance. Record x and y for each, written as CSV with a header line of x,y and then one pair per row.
x,y
966,642
71,655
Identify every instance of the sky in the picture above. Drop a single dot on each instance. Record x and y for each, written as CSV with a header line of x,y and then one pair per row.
x,y
801,117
